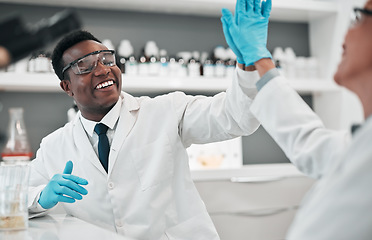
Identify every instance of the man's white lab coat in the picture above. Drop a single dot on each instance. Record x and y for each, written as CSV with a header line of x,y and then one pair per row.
x,y
339,206
148,192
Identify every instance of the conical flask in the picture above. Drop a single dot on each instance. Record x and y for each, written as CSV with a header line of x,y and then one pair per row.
x,y
17,149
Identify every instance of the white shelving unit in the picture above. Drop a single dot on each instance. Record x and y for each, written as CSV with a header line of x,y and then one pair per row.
x,y
48,82
283,10
327,26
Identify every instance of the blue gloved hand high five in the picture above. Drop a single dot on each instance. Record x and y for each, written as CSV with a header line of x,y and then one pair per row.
x,y
226,23
246,34
63,188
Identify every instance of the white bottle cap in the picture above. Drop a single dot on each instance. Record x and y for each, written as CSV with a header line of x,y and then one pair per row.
x,y
230,54
185,55
108,44
163,52
125,48
220,52
196,55
278,54
151,49
290,54
204,56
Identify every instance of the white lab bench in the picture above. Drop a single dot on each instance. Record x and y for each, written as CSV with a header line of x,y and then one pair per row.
x,y
60,227
255,202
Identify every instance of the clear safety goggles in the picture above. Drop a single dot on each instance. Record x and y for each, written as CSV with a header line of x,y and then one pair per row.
x,y
88,63
358,14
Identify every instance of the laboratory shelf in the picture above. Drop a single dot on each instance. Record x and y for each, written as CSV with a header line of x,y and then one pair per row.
x,y
48,82
283,10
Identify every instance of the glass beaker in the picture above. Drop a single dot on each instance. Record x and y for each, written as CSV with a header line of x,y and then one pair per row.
x,y
13,197
17,149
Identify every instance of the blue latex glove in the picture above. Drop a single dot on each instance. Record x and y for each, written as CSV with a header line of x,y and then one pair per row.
x,y
248,31
63,188
225,19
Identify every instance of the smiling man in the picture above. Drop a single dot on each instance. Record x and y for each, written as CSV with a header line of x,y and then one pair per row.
x,y
128,154
96,93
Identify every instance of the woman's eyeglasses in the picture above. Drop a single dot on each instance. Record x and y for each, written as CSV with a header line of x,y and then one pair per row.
x,y
358,15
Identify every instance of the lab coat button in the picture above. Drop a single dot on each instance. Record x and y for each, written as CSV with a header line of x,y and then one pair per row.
x,y
118,223
110,185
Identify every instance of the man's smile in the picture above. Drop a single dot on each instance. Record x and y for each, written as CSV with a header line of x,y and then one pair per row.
x,y
105,84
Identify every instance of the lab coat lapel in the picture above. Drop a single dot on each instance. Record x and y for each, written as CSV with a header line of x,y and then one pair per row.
x,y
83,144
127,119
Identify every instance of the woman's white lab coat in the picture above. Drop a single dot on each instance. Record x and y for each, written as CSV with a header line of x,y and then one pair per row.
x,y
148,192
339,206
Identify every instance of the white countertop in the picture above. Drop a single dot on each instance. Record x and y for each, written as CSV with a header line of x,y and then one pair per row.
x,y
248,173
60,227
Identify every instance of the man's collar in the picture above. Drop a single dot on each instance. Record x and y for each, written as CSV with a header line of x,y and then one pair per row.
x,y
109,119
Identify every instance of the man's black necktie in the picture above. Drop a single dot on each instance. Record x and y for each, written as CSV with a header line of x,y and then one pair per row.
x,y
103,144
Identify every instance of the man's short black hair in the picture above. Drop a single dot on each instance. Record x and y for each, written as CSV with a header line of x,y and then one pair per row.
x,y
67,42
